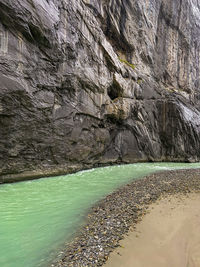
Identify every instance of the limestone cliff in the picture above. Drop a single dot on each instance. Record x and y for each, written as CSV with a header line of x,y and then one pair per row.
x,y
90,82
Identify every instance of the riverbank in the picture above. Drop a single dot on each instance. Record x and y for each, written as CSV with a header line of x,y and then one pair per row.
x,y
168,235
58,170
111,218
46,172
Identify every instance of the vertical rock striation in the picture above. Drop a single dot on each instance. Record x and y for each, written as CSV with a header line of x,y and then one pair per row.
x,y
90,82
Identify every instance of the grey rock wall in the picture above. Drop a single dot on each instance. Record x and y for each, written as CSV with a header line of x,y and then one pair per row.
x,y
91,82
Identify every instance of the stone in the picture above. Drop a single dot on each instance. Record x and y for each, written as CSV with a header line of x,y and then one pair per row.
x,y
89,83
120,208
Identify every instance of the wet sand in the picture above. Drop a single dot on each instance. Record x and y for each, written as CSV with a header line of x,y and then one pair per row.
x,y
167,236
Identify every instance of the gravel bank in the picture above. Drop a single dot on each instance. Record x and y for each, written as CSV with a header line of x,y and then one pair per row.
x,y
110,219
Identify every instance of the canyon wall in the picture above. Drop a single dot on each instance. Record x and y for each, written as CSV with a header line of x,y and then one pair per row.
x,y
91,82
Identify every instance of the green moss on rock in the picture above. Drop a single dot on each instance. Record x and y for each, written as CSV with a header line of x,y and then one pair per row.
x,y
127,63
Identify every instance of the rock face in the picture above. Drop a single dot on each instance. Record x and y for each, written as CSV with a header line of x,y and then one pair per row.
x,y
90,82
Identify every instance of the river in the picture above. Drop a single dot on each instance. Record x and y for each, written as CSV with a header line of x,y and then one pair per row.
x,y
37,217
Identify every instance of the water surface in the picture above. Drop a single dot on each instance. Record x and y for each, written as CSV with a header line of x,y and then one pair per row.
x,y
37,217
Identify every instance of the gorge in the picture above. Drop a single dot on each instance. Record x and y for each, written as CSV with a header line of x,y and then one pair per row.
x,y
87,82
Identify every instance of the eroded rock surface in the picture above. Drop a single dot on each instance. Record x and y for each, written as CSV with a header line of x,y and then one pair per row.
x,y
89,82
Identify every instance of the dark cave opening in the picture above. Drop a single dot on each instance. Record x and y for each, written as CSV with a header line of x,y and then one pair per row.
x,y
114,91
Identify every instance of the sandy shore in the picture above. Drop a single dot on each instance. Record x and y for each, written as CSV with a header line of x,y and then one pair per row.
x,y
167,236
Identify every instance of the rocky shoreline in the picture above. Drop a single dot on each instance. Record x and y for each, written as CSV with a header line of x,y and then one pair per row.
x,y
111,218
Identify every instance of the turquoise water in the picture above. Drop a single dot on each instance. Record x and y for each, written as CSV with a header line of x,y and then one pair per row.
x,y
37,217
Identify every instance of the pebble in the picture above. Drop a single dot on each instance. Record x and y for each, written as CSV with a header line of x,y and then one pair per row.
x,y
110,219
